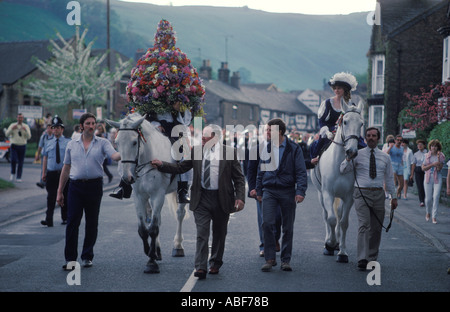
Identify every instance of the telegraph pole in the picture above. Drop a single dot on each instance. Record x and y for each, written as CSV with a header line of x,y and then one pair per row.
x,y
108,96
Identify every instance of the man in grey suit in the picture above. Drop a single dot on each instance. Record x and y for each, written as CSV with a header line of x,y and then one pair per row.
x,y
218,189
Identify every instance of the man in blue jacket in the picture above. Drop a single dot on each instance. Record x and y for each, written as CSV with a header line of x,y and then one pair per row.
x,y
281,182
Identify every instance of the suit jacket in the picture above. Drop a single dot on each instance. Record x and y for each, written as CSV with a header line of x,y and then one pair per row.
x,y
231,179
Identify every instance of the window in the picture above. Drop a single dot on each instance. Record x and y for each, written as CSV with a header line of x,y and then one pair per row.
x,y
378,74
445,62
376,117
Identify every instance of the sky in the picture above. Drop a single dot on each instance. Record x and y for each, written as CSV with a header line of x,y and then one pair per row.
x,y
316,7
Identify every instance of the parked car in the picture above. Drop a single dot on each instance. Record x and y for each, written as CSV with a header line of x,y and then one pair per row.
x,y
5,150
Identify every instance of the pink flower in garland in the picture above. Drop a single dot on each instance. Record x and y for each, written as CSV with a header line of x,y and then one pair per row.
x,y
164,76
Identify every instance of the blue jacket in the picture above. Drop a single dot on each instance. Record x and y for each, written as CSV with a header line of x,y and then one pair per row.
x,y
291,172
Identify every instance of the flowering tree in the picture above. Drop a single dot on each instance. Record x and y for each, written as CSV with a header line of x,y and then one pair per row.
x,y
428,108
74,76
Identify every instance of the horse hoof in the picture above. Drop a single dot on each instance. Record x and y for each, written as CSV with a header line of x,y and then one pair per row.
x,y
342,259
176,252
328,251
152,267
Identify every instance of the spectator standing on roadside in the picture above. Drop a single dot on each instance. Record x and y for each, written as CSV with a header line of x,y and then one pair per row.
x,y
46,135
417,171
19,133
432,165
52,163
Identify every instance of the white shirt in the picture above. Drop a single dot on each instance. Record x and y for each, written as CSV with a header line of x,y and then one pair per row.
x,y
419,157
385,174
87,164
214,156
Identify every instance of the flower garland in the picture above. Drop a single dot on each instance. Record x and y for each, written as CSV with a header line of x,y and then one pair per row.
x,y
164,78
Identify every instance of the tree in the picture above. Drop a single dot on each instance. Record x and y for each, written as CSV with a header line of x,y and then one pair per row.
x,y
74,76
427,109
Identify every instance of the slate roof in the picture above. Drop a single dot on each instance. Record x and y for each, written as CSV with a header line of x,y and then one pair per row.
x,y
398,15
16,58
217,91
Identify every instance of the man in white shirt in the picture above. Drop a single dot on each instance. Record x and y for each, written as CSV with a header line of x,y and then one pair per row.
x,y
369,195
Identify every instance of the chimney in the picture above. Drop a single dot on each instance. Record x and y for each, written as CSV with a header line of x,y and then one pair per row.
x,y
236,80
138,54
224,73
206,70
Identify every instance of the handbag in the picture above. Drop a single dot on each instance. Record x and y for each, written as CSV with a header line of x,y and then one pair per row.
x,y
410,182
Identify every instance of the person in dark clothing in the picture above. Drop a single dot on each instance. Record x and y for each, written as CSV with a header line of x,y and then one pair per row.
x,y
252,172
281,182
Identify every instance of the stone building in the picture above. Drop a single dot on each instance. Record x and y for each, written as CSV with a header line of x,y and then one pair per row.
x,y
405,55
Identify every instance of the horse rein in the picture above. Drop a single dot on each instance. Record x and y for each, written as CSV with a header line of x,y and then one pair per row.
x,y
391,217
138,167
339,123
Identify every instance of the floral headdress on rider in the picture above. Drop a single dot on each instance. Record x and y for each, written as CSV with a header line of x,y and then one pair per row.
x,y
164,78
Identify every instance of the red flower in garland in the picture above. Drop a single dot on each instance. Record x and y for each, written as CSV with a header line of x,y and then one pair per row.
x,y
164,76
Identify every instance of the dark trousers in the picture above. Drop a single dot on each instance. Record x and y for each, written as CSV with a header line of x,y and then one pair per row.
x,y
17,157
52,188
419,175
209,210
82,197
272,201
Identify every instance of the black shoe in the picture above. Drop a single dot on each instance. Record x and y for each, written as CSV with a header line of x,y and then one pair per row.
x,y
118,195
362,264
182,192
43,222
41,185
201,274
64,222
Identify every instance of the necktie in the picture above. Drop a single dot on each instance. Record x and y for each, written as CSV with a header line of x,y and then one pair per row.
x,y
58,156
373,165
206,173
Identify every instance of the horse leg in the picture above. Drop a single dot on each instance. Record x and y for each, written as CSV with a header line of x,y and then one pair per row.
x,y
141,207
337,206
178,250
156,202
330,221
346,207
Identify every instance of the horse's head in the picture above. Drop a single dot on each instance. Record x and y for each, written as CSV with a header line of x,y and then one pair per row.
x,y
128,141
351,124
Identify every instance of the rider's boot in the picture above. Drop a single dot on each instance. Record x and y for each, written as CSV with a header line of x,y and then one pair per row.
x,y
124,191
182,192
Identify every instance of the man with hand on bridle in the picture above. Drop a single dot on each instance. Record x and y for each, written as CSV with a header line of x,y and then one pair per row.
x,y
372,169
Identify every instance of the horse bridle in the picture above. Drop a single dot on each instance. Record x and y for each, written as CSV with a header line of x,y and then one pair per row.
x,y
137,167
343,137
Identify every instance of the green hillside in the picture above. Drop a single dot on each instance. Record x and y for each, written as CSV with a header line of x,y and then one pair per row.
x,y
294,51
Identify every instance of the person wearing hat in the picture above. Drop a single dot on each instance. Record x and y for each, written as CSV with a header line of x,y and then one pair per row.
x,y
53,158
330,111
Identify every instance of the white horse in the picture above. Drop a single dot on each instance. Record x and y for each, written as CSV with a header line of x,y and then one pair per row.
x,y
138,143
332,185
